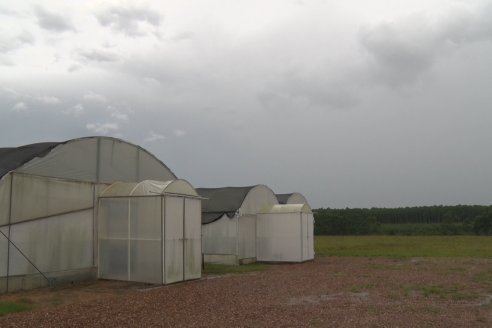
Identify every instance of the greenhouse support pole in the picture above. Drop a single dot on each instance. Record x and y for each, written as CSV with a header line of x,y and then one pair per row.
x,y
8,233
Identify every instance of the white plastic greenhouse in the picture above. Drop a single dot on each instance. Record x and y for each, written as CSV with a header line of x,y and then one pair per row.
x,y
150,232
292,198
285,233
48,212
229,222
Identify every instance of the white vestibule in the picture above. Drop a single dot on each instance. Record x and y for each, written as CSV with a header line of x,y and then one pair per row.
x,y
150,232
285,233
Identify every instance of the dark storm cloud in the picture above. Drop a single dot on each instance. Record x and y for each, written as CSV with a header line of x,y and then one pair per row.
x,y
129,20
51,21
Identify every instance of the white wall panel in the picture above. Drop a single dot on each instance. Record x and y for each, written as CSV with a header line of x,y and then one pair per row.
x,y
53,244
173,246
4,199
35,197
279,237
219,237
310,218
3,252
247,236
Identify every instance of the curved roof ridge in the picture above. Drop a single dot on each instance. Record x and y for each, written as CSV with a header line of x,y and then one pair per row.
x,y
12,158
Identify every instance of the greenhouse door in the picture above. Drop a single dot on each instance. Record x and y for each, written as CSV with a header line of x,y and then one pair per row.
x,y
183,239
192,239
173,231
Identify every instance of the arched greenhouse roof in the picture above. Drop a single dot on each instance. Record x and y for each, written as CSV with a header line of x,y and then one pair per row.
x,y
150,188
14,158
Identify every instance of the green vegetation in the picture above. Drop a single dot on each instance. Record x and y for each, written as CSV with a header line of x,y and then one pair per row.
x,y
11,307
453,292
422,221
404,246
223,269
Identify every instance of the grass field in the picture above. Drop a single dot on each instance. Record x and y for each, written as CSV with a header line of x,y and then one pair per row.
x,y
11,307
404,246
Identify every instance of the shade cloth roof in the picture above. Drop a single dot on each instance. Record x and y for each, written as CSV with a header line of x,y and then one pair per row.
x,y
283,198
220,201
12,158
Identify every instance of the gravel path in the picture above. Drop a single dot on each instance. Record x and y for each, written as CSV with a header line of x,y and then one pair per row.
x,y
329,292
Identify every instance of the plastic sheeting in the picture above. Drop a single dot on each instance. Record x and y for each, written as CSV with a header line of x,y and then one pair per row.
x,y
101,159
35,197
5,199
153,238
285,235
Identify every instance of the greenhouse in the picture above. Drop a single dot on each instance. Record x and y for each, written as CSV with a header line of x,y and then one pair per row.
x,y
48,212
150,232
292,198
229,222
285,233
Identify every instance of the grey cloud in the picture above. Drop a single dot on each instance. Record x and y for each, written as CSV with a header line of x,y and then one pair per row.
x,y
129,20
14,43
319,89
96,55
52,22
402,50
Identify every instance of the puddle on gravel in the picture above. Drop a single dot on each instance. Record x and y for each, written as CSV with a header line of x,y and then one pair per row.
x,y
317,299
487,300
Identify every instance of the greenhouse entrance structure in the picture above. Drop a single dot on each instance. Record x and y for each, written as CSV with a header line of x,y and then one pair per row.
x,y
285,233
150,232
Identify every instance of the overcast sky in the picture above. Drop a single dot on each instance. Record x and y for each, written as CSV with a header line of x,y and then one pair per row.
x,y
352,103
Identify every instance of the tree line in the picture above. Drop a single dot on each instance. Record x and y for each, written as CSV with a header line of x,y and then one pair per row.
x,y
422,220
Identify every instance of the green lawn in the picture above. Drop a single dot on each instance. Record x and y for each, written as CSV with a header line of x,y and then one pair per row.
x,y
11,307
404,246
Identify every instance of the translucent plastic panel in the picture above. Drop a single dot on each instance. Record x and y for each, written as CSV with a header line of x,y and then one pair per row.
x,y
145,234
57,243
4,199
74,160
35,197
219,237
3,252
145,218
193,252
310,218
173,230
118,161
146,261
152,169
279,237
247,236
113,259
113,218
305,232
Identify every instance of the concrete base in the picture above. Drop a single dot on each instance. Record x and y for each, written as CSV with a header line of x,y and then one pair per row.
x,y
228,259
248,260
55,279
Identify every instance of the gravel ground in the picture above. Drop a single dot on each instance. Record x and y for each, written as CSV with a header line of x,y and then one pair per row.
x,y
329,292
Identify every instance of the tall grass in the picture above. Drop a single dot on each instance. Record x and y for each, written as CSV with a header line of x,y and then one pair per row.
x,y
404,246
